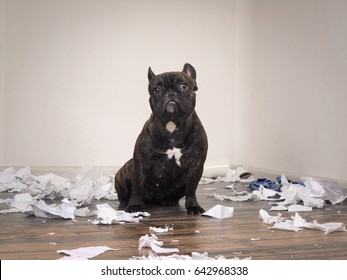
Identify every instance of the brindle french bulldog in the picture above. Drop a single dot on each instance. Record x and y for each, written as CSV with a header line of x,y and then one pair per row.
x,y
171,149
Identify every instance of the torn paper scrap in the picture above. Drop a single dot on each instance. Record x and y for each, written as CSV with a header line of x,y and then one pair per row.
x,y
54,179
88,188
22,202
327,227
82,192
7,176
64,210
279,208
298,208
314,188
239,174
153,243
160,229
286,225
268,219
103,188
312,194
244,175
263,193
107,215
220,212
335,192
298,223
83,212
88,171
289,195
312,201
84,253
25,203
194,256
6,201
10,210
13,186
255,239
242,197
23,172
284,180
210,189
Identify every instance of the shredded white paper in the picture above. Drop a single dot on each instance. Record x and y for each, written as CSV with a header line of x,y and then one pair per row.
x,y
232,176
242,197
194,256
160,229
268,219
65,210
298,223
153,243
220,212
107,215
298,208
34,191
84,253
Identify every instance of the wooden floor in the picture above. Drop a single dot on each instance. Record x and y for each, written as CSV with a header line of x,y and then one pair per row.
x,y
243,236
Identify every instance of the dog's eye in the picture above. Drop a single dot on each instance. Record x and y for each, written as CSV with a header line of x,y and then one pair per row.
x,y
184,87
157,90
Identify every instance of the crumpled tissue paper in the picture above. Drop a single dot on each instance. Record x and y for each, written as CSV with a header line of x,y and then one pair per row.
x,y
107,215
153,243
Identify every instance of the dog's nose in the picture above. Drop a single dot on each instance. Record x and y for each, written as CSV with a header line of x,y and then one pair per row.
x,y
171,93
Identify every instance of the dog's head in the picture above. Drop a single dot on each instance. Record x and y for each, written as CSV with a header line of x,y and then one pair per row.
x,y
172,94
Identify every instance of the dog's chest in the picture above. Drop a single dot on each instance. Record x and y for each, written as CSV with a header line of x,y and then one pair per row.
x,y
169,163
175,154
167,170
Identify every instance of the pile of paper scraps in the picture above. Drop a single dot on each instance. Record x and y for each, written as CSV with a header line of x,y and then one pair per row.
x,y
298,223
145,241
37,195
285,195
284,192
153,242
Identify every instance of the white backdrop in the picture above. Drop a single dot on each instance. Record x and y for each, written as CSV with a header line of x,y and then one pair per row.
x,y
271,77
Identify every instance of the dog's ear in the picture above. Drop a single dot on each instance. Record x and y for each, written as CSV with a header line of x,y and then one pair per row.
x,y
190,71
151,75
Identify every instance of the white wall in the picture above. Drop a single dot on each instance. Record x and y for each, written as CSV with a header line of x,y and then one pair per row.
x,y
76,79
271,76
291,86
2,80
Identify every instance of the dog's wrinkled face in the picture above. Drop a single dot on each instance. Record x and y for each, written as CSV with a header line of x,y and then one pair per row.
x,y
172,94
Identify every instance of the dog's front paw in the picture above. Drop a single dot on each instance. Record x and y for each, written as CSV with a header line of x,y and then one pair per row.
x,y
195,210
134,208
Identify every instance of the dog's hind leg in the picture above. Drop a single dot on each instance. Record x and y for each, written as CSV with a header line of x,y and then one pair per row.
x,y
122,182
